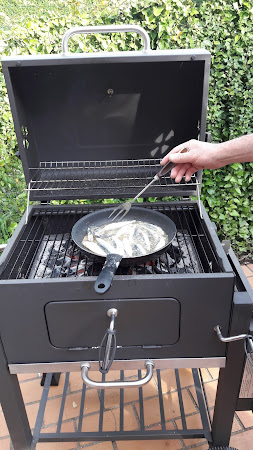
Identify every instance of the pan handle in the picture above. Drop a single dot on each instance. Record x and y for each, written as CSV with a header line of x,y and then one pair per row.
x,y
104,279
105,29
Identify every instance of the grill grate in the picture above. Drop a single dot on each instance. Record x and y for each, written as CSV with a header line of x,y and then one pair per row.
x,y
144,431
121,176
45,248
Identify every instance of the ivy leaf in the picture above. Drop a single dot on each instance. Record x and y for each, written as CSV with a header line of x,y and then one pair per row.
x,y
157,10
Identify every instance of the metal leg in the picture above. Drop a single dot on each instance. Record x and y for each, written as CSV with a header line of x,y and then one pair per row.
x,y
55,379
13,407
230,377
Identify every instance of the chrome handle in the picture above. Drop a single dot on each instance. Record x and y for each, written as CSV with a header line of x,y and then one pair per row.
x,y
239,337
105,29
107,362
117,384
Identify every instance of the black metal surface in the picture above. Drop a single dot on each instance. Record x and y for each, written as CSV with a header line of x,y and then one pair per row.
x,y
90,321
72,104
13,406
142,432
231,376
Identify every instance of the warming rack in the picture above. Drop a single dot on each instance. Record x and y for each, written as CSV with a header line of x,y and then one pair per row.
x,y
116,178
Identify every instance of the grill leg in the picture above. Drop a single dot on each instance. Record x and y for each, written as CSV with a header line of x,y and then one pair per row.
x,y
230,377
13,407
54,381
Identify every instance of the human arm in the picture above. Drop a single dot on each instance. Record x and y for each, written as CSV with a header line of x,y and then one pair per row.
x,y
203,155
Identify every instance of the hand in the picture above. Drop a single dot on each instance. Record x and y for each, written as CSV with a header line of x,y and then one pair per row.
x,y
201,155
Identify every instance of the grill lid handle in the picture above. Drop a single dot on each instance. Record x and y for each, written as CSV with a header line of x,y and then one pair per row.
x,y
117,384
105,29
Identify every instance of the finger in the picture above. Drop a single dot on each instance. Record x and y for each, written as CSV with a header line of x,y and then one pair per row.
x,y
181,172
174,150
182,158
175,170
190,172
180,147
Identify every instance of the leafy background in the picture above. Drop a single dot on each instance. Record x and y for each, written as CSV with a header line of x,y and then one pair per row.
x,y
225,28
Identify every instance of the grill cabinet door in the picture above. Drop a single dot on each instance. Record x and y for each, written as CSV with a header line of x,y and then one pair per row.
x,y
151,322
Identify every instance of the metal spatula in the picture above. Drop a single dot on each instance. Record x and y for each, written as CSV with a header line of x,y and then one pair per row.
x,y
124,208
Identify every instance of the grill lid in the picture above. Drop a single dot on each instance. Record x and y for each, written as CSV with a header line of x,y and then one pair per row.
x,y
97,125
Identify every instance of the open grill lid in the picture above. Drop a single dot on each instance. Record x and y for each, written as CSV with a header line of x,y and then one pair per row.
x,y
97,125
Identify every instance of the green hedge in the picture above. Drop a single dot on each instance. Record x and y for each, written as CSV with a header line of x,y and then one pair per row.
x,y
225,28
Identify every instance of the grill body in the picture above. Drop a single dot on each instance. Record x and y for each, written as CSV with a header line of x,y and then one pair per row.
x,y
161,315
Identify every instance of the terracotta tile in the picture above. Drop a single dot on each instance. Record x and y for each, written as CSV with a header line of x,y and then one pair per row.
x,y
168,444
192,422
205,375
91,423
28,376
52,411
112,396
54,391
131,373
130,422
250,266
186,378
3,427
111,421
75,381
250,280
214,372
31,390
168,380
5,444
210,389
246,417
151,411
92,402
171,407
247,271
203,447
66,427
73,402
235,427
32,411
101,446
242,441
112,375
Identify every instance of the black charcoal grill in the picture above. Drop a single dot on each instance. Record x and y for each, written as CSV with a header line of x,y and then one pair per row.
x,y
96,126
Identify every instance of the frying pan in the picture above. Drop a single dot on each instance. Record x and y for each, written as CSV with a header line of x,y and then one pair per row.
x,y
112,260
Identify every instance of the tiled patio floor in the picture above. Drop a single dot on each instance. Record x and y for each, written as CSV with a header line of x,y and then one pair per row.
x,y
242,433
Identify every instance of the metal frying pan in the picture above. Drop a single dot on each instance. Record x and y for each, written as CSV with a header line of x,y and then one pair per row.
x,y
112,260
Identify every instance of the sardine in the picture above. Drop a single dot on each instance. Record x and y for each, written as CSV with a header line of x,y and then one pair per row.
x,y
94,248
138,250
127,238
107,246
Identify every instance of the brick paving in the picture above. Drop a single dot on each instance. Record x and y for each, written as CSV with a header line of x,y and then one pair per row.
x,y
242,432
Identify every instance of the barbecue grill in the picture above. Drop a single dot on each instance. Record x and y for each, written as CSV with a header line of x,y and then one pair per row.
x,y
96,126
